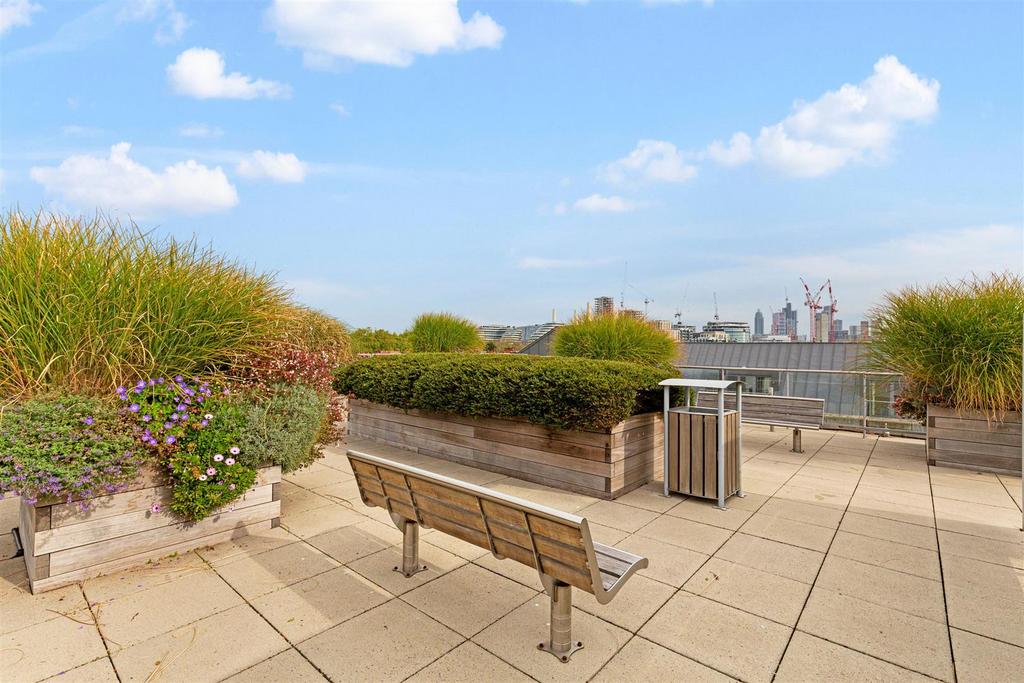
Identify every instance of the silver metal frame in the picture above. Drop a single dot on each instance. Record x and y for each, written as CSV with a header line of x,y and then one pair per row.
x,y
720,447
560,644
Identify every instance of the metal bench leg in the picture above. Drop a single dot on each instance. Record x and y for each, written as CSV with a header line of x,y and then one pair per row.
x,y
410,546
561,644
798,442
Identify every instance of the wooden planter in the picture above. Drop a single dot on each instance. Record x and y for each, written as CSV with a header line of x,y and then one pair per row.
x,y
602,464
64,545
972,441
693,452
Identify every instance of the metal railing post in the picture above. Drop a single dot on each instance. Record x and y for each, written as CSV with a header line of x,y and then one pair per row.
x,y
864,391
664,425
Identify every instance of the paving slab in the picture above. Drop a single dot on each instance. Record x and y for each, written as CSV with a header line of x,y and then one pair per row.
x,y
380,567
388,643
771,556
208,650
313,605
887,554
983,660
288,666
635,603
96,671
762,593
642,661
896,590
253,576
668,563
985,598
469,599
47,648
737,643
684,533
514,638
909,641
350,543
801,534
707,512
812,659
468,663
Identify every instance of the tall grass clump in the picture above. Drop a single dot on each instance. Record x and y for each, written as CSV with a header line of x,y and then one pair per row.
x,y
88,304
958,344
443,332
611,337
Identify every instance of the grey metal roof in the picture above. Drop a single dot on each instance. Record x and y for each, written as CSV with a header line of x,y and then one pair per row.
x,y
792,355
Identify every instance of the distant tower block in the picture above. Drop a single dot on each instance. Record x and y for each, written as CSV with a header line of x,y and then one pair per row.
x,y
604,305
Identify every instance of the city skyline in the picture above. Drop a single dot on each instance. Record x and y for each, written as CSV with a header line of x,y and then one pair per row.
x,y
465,161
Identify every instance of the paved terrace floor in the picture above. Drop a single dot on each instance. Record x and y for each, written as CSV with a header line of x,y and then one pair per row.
x,y
854,561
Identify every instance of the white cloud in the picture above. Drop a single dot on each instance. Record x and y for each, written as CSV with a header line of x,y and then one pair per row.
x,y
391,33
280,167
173,22
199,72
599,203
76,131
853,123
650,161
200,130
120,183
339,109
16,13
542,263
739,151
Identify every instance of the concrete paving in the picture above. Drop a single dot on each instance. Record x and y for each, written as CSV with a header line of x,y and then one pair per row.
x,y
852,561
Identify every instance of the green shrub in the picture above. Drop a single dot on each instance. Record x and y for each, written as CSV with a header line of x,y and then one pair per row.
x,y
86,304
443,332
72,447
284,427
957,344
564,393
369,340
611,337
386,379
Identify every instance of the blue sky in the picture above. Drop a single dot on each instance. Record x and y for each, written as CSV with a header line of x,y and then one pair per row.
x,y
500,160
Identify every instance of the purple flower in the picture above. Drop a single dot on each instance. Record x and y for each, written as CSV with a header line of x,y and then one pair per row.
x,y
147,418
141,384
170,439
204,423
138,390
168,425
134,407
152,382
211,471
122,390
175,417
231,487
88,421
178,378
181,407
218,457
154,508
234,450
229,461
159,380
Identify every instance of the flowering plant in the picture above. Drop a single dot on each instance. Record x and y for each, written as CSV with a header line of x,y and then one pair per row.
x,y
196,433
73,447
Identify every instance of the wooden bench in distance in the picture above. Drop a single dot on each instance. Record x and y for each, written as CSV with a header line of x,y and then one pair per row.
x,y
794,412
556,544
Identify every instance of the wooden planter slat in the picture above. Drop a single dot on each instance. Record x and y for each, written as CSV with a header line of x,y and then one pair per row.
x,y
601,464
693,454
974,440
63,545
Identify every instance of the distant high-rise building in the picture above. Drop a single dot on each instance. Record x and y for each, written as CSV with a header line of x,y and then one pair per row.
x,y
733,331
604,305
758,323
823,331
663,325
684,333
633,313
784,322
865,330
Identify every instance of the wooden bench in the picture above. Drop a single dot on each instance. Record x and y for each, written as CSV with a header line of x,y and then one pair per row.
x,y
556,544
794,412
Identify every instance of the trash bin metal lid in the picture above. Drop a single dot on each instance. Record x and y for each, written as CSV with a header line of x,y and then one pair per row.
x,y
699,383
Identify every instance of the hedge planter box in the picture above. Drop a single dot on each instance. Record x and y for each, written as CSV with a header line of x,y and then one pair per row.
x,y
64,545
603,464
971,441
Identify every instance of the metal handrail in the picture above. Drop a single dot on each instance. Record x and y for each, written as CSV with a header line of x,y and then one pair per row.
x,y
863,374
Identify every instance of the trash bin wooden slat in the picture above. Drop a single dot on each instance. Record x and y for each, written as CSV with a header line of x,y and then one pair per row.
x,y
693,452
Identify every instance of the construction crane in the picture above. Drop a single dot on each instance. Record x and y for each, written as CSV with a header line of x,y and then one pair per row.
x,y
647,299
813,304
833,306
714,295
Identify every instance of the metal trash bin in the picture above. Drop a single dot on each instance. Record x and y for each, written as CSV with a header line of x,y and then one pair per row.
x,y
703,445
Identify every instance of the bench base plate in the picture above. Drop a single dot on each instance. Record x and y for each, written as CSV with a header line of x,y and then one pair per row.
x,y
563,657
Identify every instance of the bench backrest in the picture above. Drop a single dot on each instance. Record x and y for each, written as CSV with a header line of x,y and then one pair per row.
x,y
771,409
553,542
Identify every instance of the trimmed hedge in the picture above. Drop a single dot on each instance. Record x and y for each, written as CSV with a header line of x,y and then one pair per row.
x,y
564,393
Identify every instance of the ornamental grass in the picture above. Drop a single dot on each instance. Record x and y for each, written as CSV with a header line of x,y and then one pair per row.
x,y
615,337
445,333
958,343
87,304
